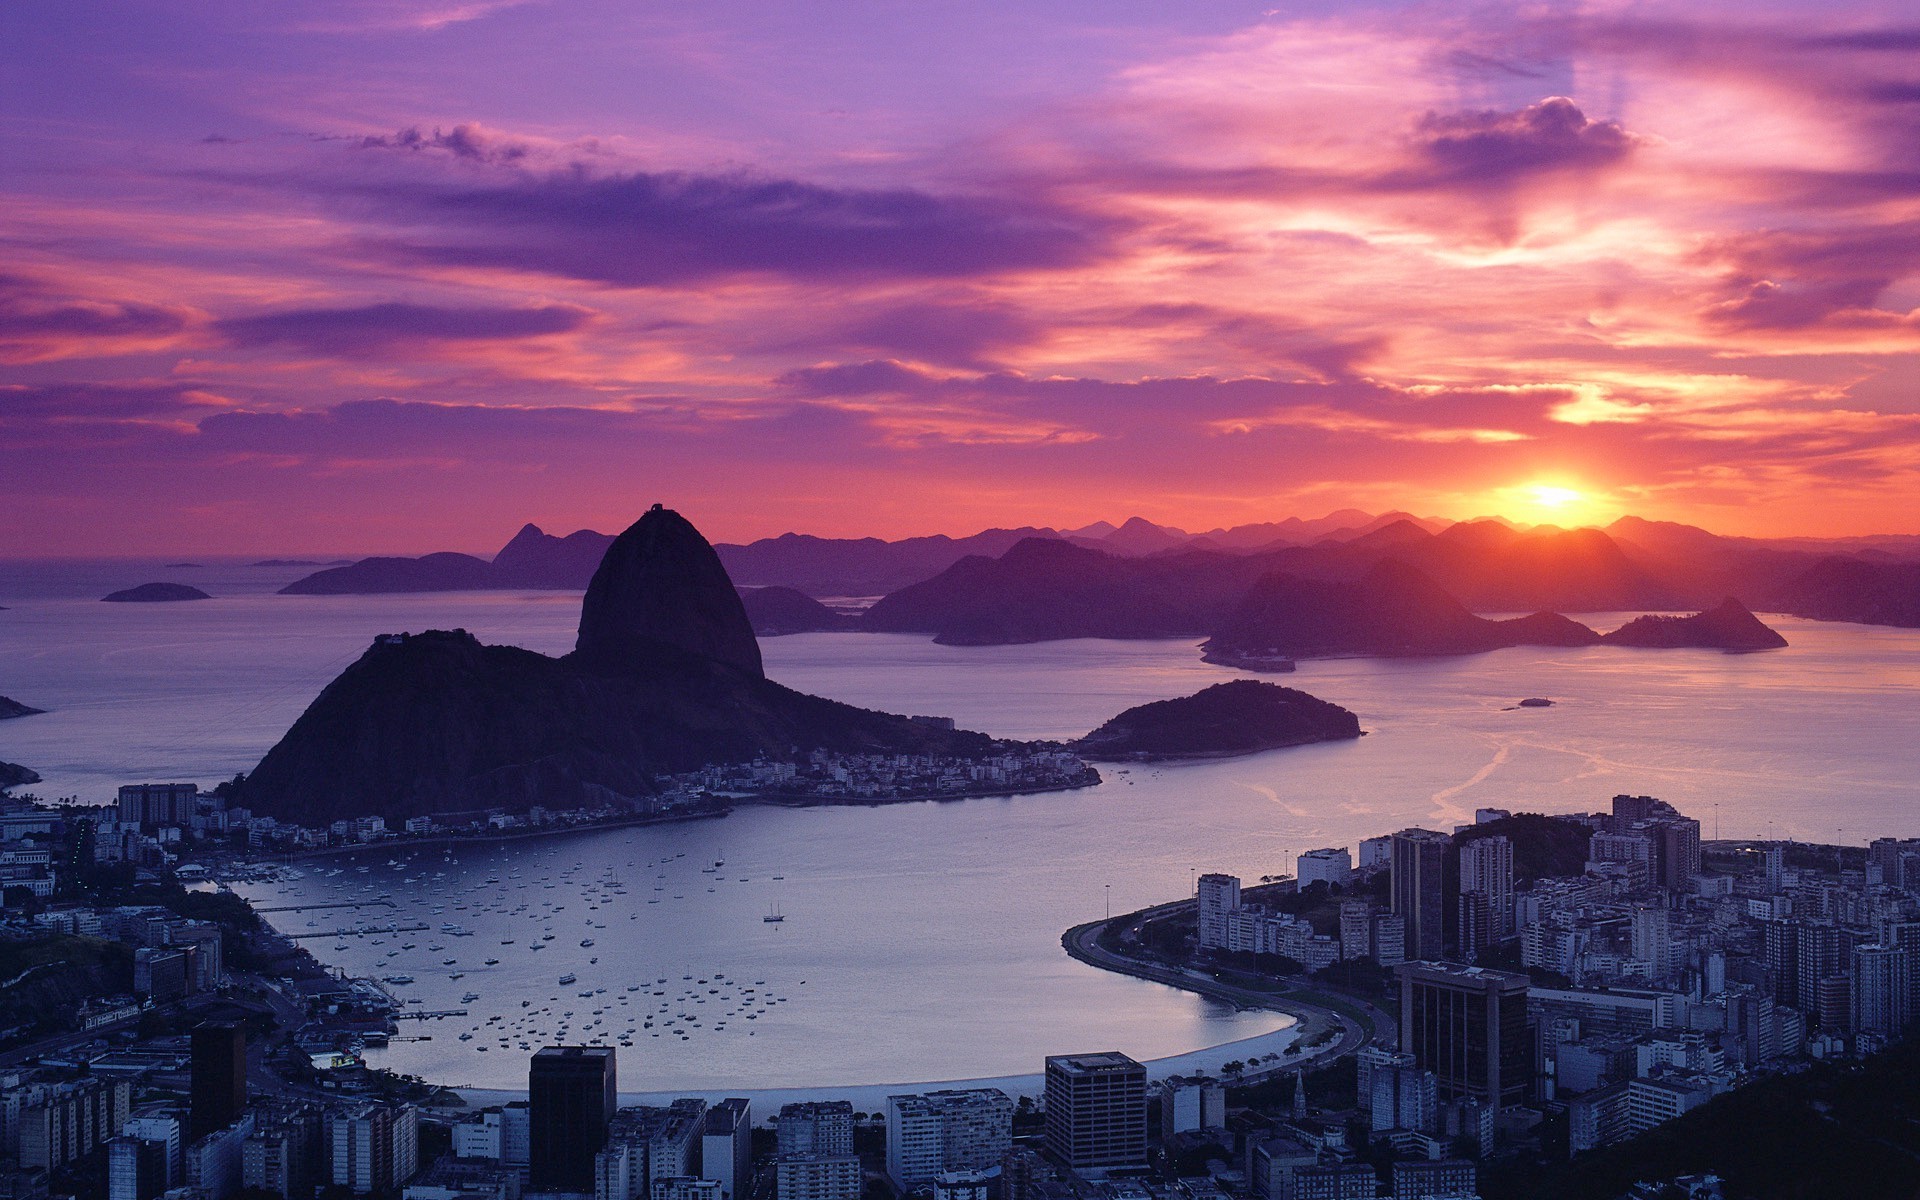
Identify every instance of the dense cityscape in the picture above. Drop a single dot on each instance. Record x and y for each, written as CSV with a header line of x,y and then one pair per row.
x,y
1513,994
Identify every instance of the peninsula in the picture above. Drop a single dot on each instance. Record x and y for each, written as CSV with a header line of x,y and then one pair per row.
x,y
665,678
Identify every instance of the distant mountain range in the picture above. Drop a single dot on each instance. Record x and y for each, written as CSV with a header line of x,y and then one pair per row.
x,y
1139,579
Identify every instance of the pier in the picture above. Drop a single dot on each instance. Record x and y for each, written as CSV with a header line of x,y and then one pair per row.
x,y
363,932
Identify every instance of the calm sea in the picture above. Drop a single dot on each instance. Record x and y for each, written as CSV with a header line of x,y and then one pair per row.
x,y
920,941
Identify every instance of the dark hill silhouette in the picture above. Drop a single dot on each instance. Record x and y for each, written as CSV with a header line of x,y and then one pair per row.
x,y
666,678
1730,625
156,593
1851,589
1044,589
536,559
775,611
660,596
1393,610
1239,717
442,572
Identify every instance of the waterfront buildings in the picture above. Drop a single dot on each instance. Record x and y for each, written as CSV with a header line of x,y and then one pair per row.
x,y
1218,898
953,1130
571,1096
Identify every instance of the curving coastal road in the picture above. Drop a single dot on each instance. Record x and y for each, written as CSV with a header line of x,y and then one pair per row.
x,y
1364,1024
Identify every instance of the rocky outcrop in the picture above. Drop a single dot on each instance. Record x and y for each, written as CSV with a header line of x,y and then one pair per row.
x,y
1240,717
1730,625
776,611
13,775
660,595
666,677
156,593
537,559
9,709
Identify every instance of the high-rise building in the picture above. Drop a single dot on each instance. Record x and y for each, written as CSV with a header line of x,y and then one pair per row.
x,y
815,1127
156,804
818,1177
1419,891
1096,1110
571,1093
1021,1173
726,1147
1389,939
1468,1025
1879,991
376,1147
218,1091
1446,1178
167,1132
955,1130
1190,1104
1486,874
1653,940
1333,866
1823,951
516,1133
136,1168
1217,898
284,1153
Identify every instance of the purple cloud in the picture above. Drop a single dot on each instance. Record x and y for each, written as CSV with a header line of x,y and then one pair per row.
x,y
375,327
30,311
1483,150
672,229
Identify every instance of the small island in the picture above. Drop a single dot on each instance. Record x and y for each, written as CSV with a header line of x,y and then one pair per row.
x,y
10,708
1729,626
156,593
14,775
1243,716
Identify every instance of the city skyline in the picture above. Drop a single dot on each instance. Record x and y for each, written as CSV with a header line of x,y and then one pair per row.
x,y
396,274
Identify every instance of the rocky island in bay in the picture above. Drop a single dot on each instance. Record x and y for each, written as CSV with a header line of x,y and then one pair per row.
x,y
155,593
1728,626
1242,716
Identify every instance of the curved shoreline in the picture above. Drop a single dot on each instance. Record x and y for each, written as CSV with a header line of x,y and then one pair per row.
x,y
871,1097
1305,1020
1082,942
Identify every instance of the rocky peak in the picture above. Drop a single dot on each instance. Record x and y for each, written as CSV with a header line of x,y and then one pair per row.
x,y
660,595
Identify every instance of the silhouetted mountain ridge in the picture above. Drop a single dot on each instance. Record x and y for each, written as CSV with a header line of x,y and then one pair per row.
x,y
665,677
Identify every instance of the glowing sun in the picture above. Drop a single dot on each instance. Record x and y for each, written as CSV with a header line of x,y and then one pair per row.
x,y
1551,503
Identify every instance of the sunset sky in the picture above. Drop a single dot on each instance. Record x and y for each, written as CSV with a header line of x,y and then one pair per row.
x,y
398,275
